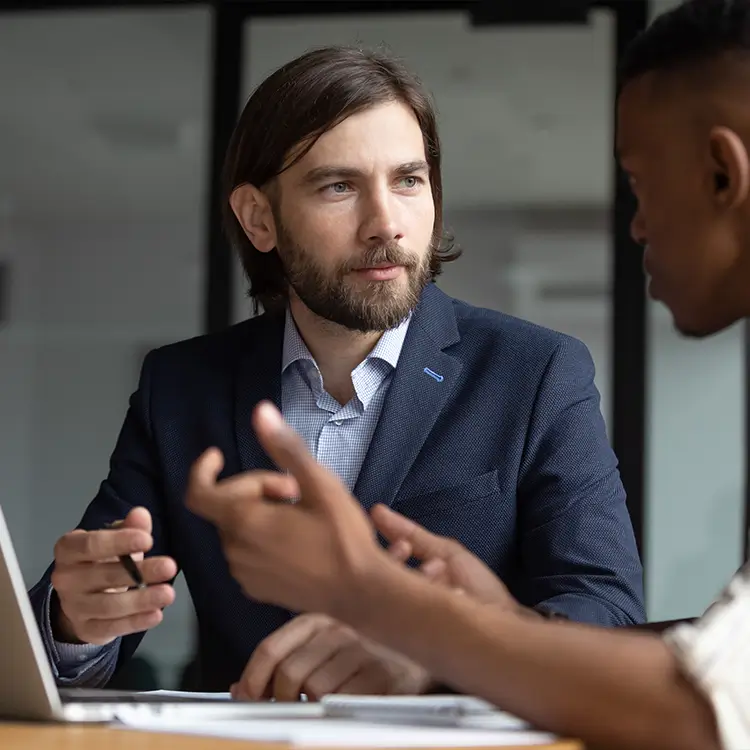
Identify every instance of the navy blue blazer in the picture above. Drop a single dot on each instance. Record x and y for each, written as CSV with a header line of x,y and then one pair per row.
x,y
505,451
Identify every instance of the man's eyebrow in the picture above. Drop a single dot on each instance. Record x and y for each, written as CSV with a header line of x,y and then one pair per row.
x,y
330,172
333,172
410,167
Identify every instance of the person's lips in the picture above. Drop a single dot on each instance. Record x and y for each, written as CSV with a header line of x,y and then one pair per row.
x,y
380,272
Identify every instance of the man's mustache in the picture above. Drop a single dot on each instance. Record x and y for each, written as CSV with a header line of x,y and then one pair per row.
x,y
380,255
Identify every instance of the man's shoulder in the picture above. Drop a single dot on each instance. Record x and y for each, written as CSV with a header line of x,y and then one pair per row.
x,y
219,348
495,331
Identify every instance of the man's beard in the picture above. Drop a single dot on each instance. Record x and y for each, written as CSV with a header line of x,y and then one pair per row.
x,y
334,296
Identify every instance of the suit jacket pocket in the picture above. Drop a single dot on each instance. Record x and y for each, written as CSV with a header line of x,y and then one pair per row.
x,y
449,498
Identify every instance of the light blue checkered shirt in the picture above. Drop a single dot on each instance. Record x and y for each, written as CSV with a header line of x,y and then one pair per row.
x,y
338,436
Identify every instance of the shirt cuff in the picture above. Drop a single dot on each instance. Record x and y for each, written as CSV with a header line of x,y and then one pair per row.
x,y
76,664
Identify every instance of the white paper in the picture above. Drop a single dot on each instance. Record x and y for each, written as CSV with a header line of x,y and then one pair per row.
x,y
422,710
418,703
412,722
339,733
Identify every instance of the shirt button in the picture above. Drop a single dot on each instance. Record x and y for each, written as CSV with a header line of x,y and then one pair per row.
x,y
338,422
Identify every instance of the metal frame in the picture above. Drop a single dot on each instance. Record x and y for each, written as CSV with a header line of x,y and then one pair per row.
x,y
629,319
227,50
629,330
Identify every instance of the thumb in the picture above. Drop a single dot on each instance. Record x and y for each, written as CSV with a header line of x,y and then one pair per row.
x,y
138,518
318,486
201,483
204,473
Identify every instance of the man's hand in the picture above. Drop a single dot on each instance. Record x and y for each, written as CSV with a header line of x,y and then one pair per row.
x,y
443,560
308,556
96,604
316,655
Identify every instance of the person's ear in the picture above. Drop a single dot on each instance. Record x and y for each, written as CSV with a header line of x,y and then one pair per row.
x,y
731,167
253,211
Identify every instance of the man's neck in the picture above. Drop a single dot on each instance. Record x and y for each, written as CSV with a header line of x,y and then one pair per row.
x,y
336,350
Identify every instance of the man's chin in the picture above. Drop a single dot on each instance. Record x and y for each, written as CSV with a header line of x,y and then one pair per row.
x,y
693,320
690,333
686,318
378,314
694,327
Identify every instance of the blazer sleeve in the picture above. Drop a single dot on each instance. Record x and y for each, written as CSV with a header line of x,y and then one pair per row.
x,y
577,545
134,479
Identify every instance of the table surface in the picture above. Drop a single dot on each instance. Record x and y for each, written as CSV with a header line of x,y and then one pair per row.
x,y
76,737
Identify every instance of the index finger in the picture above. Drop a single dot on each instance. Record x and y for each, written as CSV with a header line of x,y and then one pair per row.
x,y
95,546
317,485
395,527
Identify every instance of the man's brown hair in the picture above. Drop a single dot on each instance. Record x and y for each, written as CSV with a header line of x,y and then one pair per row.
x,y
288,112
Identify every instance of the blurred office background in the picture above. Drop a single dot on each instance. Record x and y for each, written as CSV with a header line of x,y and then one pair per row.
x,y
107,146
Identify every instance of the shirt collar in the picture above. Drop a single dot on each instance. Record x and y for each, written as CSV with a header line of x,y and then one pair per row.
x,y
294,348
388,348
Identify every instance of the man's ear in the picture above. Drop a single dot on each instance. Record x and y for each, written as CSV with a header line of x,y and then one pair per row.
x,y
731,166
253,211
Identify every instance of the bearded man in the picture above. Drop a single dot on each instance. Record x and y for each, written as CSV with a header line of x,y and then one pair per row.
x,y
474,424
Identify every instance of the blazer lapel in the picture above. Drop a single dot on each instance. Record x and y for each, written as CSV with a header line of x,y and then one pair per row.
x,y
259,378
422,384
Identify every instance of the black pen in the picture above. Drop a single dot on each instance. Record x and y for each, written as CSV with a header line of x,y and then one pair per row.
x,y
127,561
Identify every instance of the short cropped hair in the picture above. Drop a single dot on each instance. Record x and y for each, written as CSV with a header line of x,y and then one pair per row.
x,y
694,32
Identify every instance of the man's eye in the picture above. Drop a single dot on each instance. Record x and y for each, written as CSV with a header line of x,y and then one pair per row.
x,y
411,181
339,188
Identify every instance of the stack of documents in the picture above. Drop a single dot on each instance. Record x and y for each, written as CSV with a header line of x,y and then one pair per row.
x,y
351,721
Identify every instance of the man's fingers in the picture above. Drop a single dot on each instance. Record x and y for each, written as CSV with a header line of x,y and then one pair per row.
x,y
92,546
435,569
275,649
317,485
213,500
400,550
291,677
100,632
259,485
206,469
139,518
91,579
371,680
200,496
338,670
116,606
395,527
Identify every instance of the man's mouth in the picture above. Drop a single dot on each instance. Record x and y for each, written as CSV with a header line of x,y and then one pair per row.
x,y
381,272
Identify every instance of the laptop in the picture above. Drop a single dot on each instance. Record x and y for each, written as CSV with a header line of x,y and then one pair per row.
x,y
27,685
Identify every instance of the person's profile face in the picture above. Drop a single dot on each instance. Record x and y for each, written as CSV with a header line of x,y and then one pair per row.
x,y
684,237
355,219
